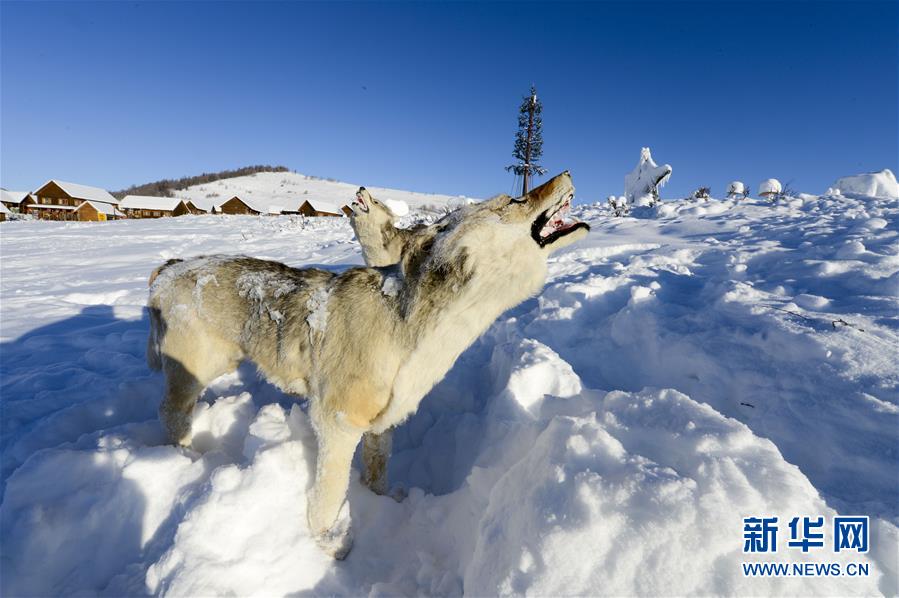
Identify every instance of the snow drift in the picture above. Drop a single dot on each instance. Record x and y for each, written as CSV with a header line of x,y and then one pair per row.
x,y
876,184
607,437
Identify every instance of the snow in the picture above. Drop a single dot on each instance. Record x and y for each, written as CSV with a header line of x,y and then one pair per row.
x,y
681,370
4,209
770,186
877,184
318,310
146,202
288,190
646,178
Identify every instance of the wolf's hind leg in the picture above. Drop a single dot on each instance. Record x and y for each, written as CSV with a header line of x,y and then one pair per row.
x,y
375,456
181,392
336,444
188,367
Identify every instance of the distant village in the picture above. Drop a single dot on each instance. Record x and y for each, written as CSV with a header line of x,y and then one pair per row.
x,y
61,200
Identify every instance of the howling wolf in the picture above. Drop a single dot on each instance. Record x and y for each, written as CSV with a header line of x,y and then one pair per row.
x,y
375,226
366,345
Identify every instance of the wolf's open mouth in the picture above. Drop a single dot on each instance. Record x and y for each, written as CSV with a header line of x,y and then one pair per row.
x,y
360,202
551,226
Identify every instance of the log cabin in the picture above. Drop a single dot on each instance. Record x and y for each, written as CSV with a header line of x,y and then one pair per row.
x,y
58,200
145,206
97,211
4,211
236,205
316,208
196,209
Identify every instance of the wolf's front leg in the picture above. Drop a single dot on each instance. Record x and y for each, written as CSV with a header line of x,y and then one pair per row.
x,y
329,519
375,456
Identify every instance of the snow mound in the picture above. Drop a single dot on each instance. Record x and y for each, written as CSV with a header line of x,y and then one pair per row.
x,y
399,208
874,184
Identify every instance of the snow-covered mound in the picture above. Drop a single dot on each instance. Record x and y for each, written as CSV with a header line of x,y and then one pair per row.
x,y
876,184
724,360
287,190
641,185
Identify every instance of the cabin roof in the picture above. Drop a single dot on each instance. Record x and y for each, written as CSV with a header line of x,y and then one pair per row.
x,y
4,209
85,192
148,202
13,196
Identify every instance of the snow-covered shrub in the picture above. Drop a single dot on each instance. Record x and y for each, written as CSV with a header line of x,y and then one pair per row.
x,y
703,193
771,189
736,189
641,186
619,205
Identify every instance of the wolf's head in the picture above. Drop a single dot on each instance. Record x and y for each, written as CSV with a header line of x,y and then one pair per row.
x,y
373,222
502,243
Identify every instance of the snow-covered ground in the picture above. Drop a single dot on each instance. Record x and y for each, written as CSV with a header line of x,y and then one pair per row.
x,y
682,369
287,190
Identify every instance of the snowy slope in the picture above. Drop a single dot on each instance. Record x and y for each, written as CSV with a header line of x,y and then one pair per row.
x,y
680,371
289,189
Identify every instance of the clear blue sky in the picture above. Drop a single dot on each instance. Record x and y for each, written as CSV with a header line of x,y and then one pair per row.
x,y
423,96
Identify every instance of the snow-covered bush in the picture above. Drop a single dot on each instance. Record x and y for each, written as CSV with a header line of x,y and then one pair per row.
x,y
770,188
736,189
703,193
641,186
619,205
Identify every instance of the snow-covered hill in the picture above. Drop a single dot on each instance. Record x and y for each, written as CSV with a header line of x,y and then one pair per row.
x,y
289,189
679,372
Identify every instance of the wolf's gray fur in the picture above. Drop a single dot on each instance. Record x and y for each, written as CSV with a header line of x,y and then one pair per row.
x,y
366,345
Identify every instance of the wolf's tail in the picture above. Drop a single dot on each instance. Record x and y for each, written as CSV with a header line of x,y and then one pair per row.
x,y
154,352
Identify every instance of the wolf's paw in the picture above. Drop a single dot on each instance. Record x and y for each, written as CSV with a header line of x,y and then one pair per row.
x,y
336,541
177,427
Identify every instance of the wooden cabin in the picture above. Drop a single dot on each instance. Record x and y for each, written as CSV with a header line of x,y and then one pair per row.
x,y
58,200
15,201
145,206
194,209
4,211
236,205
97,211
316,208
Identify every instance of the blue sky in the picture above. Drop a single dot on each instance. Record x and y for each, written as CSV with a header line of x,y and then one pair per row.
x,y
423,96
